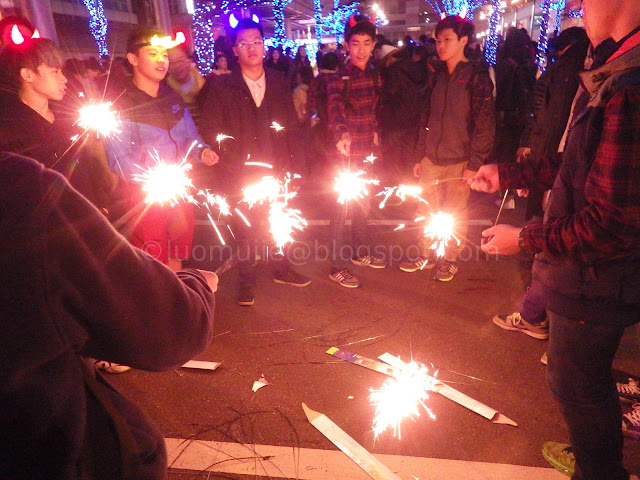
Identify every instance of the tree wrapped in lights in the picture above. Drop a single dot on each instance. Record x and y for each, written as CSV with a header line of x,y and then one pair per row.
x,y
98,25
543,42
278,14
203,21
455,7
558,6
317,15
334,22
491,45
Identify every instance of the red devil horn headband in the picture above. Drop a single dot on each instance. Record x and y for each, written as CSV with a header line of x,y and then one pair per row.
x,y
352,21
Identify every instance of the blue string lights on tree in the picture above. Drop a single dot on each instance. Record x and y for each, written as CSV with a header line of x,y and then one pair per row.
x,y
98,25
491,45
279,31
203,21
334,22
317,15
543,42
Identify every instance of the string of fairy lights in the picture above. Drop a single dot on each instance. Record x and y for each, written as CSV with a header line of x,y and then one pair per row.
x,y
98,25
206,16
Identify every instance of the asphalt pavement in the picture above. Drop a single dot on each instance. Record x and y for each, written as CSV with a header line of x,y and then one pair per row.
x,y
285,334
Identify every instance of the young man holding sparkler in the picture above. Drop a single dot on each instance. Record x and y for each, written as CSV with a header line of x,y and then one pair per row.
x,y
353,94
254,107
72,288
456,138
588,248
156,127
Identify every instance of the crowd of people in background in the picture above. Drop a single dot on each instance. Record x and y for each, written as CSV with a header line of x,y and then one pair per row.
x,y
430,112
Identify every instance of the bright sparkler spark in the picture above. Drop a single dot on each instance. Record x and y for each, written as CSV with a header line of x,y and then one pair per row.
x,y
370,159
258,164
284,222
277,127
100,118
216,200
267,189
399,227
222,136
351,185
401,397
166,182
440,230
402,191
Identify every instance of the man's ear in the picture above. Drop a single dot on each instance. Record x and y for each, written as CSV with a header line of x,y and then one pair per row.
x,y
133,59
26,74
465,41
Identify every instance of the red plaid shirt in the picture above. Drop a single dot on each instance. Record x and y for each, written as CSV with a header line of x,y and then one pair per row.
x,y
609,224
352,107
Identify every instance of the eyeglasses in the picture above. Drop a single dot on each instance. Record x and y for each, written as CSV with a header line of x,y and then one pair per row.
x,y
248,45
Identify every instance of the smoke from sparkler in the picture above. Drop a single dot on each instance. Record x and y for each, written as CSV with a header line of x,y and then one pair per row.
x,y
401,397
351,185
100,118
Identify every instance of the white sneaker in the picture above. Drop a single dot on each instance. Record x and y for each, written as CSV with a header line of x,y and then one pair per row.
x,y
369,261
111,367
344,278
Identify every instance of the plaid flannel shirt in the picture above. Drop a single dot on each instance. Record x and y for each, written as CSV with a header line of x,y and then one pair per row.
x,y
609,225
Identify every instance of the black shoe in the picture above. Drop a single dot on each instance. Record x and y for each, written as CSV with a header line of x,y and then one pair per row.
x,y
292,278
445,270
245,296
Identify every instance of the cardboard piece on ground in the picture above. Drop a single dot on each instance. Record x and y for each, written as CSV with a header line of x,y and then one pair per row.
x,y
356,452
201,365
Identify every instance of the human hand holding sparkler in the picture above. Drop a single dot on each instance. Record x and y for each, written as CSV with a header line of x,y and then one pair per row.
x,y
417,170
502,240
209,157
344,144
486,179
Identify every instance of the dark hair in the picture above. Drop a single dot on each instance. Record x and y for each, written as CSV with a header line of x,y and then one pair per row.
x,y
570,36
92,63
31,54
140,37
306,74
363,26
329,61
245,24
460,26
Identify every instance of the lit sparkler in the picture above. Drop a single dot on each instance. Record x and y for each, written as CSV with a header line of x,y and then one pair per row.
x,y
351,185
222,136
440,230
267,189
402,191
100,118
284,222
166,182
277,127
401,397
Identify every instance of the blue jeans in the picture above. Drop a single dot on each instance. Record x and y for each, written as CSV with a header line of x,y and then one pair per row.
x,y
579,374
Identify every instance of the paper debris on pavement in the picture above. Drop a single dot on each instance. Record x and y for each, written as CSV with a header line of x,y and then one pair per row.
x,y
261,382
201,365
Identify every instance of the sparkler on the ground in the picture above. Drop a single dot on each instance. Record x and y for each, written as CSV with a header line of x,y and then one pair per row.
x,y
222,136
402,191
351,185
100,118
440,230
401,397
166,182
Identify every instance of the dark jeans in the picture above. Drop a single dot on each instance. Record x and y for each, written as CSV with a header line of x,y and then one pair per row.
x,y
579,374
533,306
359,244
250,241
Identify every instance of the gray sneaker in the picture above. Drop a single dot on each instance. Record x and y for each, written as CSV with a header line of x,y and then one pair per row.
x,y
421,263
111,367
369,261
344,278
631,422
629,392
516,323
446,270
